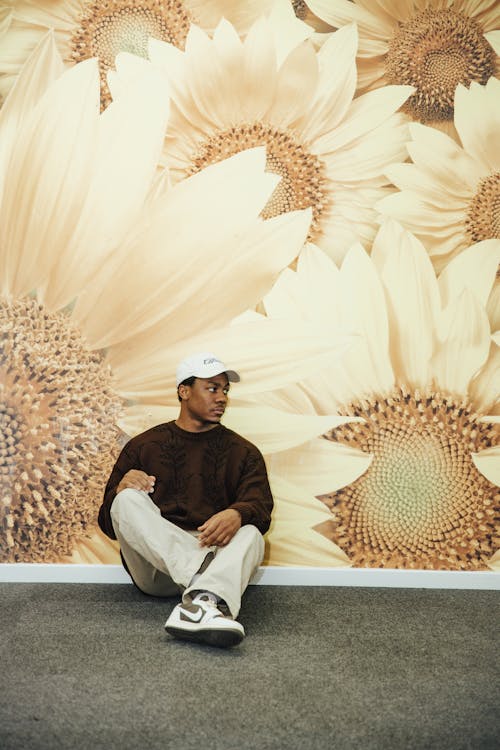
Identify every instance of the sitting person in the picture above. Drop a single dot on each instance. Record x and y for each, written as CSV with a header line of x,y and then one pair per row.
x,y
189,501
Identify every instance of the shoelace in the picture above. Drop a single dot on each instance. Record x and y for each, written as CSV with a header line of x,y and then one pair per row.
x,y
207,599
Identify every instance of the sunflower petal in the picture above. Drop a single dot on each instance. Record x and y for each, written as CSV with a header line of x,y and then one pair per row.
x,y
289,31
48,174
296,86
228,197
475,269
336,82
270,355
484,389
41,69
130,138
366,113
479,135
464,337
320,466
493,38
291,538
413,300
140,418
304,548
364,305
274,431
488,463
341,12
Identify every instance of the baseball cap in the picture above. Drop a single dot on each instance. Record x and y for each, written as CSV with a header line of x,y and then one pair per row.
x,y
203,365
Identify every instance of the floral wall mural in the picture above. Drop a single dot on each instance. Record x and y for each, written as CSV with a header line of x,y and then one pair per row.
x,y
310,189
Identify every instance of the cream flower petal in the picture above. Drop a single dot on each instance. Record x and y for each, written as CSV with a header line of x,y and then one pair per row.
x,y
485,387
266,353
410,208
96,550
291,399
289,31
262,251
494,563
5,19
406,271
352,297
310,293
425,188
274,431
228,197
390,10
366,113
365,161
291,540
243,14
47,175
493,306
442,158
475,269
296,84
308,548
464,334
320,466
479,135
363,301
341,12
336,83
493,38
129,143
140,418
488,463
42,68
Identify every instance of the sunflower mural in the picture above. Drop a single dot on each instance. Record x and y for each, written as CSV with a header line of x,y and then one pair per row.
x,y
310,189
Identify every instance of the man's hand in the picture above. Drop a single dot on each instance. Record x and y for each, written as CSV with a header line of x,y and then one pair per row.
x,y
220,528
136,480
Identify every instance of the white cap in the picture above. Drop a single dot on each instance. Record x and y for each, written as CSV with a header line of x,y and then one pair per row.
x,y
203,365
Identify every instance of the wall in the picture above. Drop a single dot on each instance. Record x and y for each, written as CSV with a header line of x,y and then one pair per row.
x,y
142,219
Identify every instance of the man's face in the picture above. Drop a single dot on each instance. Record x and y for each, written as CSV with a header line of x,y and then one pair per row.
x,y
205,401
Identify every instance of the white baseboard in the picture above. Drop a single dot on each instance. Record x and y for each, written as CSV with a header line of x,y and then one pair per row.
x,y
268,576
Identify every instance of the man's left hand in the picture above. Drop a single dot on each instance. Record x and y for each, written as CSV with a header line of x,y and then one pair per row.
x,y
220,528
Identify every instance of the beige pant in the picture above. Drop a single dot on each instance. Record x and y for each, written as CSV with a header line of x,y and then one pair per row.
x,y
162,558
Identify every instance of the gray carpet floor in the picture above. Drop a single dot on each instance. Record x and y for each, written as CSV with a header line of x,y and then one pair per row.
x,y
90,666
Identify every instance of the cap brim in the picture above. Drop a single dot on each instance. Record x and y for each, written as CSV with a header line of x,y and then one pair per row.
x,y
232,375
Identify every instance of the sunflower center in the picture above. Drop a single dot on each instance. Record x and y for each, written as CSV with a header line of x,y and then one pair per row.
x,y
57,433
303,181
422,503
483,216
435,51
300,9
112,26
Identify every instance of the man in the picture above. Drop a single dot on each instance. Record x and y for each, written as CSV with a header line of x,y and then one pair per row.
x,y
189,501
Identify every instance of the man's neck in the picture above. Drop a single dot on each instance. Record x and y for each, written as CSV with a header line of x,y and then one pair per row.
x,y
194,425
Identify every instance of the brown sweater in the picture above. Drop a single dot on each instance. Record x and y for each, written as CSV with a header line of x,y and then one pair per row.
x,y
197,475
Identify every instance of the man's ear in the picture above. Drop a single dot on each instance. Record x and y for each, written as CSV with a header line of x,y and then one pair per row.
x,y
183,391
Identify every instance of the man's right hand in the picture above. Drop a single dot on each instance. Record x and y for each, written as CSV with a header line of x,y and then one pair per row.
x,y
136,480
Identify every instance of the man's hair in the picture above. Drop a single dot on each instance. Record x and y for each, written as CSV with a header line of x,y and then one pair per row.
x,y
187,381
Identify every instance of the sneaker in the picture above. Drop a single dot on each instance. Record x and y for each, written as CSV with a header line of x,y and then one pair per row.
x,y
202,621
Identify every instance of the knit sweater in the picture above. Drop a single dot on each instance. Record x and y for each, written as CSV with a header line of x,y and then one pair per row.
x,y
197,475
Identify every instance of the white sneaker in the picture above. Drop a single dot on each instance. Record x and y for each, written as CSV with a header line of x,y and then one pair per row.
x,y
202,621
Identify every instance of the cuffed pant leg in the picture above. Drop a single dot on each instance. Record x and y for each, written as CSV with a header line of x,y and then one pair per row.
x,y
228,574
160,556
